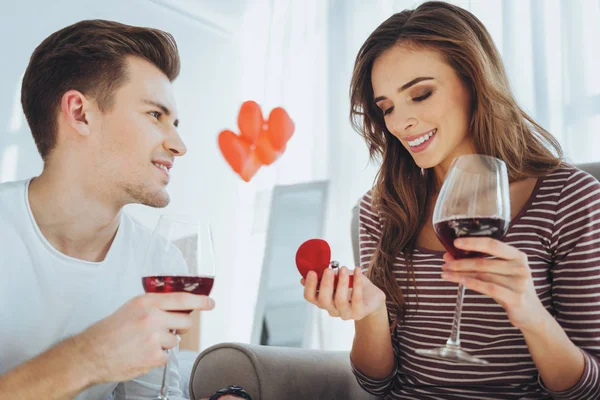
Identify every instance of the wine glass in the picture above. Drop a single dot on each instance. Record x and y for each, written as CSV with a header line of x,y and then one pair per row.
x,y
473,201
180,258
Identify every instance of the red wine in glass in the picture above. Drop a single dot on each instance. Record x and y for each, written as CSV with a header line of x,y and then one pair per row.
x,y
174,283
450,230
169,284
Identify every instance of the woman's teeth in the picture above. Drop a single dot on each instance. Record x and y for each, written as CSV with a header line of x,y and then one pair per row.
x,y
422,139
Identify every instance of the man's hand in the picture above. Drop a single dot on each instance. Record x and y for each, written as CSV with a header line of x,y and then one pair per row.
x,y
131,342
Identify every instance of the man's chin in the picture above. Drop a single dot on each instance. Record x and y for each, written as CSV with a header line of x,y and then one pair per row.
x,y
151,196
157,201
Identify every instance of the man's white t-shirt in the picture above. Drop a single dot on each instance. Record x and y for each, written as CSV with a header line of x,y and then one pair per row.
x,y
46,296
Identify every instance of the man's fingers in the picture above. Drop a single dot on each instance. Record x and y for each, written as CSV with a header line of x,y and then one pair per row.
x,y
168,340
177,321
181,301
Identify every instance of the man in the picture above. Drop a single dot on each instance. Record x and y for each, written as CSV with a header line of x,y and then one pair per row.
x,y
74,320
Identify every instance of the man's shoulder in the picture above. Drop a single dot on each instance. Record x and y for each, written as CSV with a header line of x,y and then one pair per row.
x,y
10,189
13,218
12,198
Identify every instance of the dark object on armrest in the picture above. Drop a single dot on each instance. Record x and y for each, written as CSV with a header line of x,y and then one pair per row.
x,y
233,389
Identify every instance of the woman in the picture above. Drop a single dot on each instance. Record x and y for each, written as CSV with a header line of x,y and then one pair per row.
x,y
428,86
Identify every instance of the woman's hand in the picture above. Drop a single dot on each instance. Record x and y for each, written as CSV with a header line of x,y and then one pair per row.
x,y
357,303
507,278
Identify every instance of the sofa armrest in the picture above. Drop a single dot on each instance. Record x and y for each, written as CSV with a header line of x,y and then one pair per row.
x,y
275,373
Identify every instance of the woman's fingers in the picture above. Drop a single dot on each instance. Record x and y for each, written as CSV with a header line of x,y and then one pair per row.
x,y
332,293
448,257
487,245
357,292
515,284
484,265
310,288
325,295
499,292
341,294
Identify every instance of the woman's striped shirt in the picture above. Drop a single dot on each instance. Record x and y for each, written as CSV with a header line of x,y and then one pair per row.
x,y
559,230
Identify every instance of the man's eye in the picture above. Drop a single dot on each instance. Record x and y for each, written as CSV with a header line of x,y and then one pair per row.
x,y
155,114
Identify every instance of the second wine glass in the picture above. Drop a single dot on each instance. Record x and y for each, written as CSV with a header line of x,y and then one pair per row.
x,y
180,258
474,201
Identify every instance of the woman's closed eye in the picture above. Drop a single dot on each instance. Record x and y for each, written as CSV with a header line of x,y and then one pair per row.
x,y
415,99
423,97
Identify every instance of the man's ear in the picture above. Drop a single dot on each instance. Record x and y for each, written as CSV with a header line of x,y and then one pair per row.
x,y
76,110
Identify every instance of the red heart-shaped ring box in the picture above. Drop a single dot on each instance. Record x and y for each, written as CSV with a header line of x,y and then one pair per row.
x,y
315,255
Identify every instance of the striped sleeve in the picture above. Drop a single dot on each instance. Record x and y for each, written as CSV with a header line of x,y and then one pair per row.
x,y
375,386
369,230
576,277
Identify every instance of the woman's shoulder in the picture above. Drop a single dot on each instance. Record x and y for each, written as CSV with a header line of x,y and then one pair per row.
x,y
367,202
367,208
568,178
367,215
568,191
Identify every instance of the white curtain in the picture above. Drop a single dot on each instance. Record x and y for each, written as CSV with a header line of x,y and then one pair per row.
x,y
283,63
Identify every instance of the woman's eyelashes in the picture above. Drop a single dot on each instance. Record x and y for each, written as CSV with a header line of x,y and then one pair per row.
x,y
416,99
423,97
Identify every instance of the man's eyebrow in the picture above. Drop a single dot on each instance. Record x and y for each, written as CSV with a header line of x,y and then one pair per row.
x,y
162,107
406,86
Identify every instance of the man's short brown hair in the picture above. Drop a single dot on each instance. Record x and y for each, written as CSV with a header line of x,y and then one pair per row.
x,y
89,56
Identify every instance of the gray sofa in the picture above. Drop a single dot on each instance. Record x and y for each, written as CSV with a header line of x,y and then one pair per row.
x,y
270,373
276,373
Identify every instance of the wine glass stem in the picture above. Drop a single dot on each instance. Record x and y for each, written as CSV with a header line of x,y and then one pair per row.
x,y
164,389
454,339
163,395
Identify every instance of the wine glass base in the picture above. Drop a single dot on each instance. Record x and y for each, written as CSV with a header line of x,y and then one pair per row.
x,y
161,397
450,353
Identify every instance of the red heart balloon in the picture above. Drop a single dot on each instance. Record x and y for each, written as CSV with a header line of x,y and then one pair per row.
x,y
239,155
258,143
250,121
281,128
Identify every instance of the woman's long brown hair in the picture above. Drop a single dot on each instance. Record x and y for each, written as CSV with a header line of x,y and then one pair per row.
x,y
499,128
